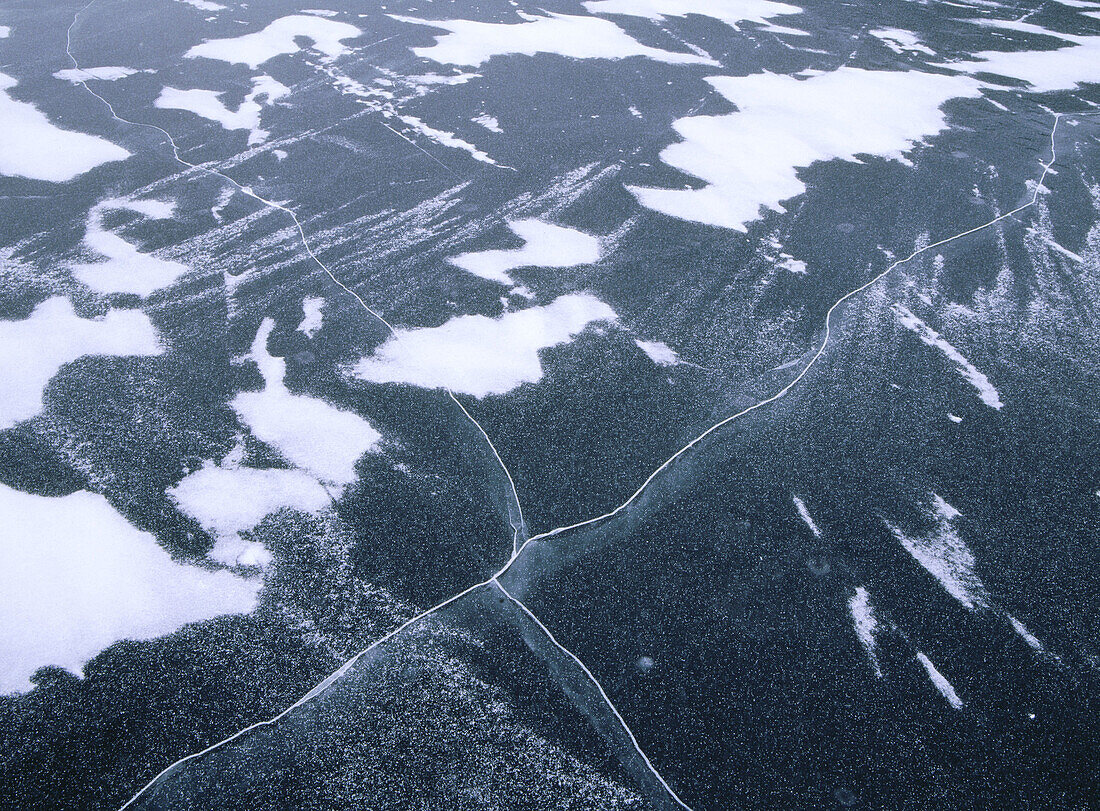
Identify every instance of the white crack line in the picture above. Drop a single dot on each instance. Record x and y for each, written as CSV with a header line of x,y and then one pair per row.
x,y
828,332
603,693
305,244
517,550
517,528
816,356
320,688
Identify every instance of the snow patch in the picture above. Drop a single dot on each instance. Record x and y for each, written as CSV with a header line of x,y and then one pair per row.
x,y
126,269
489,122
446,138
479,355
1025,634
1045,71
547,245
279,38
945,556
660,353
311,434
750,159
34,349
900,41
76,577
312,317
730,12
204,5
227,500
474,43
105,74
34,148
207,104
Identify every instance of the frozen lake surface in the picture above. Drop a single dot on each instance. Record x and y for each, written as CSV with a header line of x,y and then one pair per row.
x,y
616,404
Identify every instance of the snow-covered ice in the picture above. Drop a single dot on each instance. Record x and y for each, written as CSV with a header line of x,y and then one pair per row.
x,y
76,577
125,269
280,37
751,158
34,349
227,500
547,245
899,41
33,147
479,355
474,43
312,316
208,105
311,434
731,12
107,73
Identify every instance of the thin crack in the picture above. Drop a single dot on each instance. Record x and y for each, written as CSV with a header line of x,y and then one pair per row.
x,y
517,548
603,693
304,240
816,356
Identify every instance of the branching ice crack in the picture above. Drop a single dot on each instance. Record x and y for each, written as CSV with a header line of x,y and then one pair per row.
x,y
519,528
516,520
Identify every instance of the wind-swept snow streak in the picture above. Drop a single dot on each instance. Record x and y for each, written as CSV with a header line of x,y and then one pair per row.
x,y
971,373
817,355
804,514
940,682
866,624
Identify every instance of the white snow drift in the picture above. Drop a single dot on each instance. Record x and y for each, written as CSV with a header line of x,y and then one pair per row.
x,y
731,12
208,104
479,355
76,577
227,500
32,147
125,269
279,38
474,43
750,159
34,349
321,439
547,246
